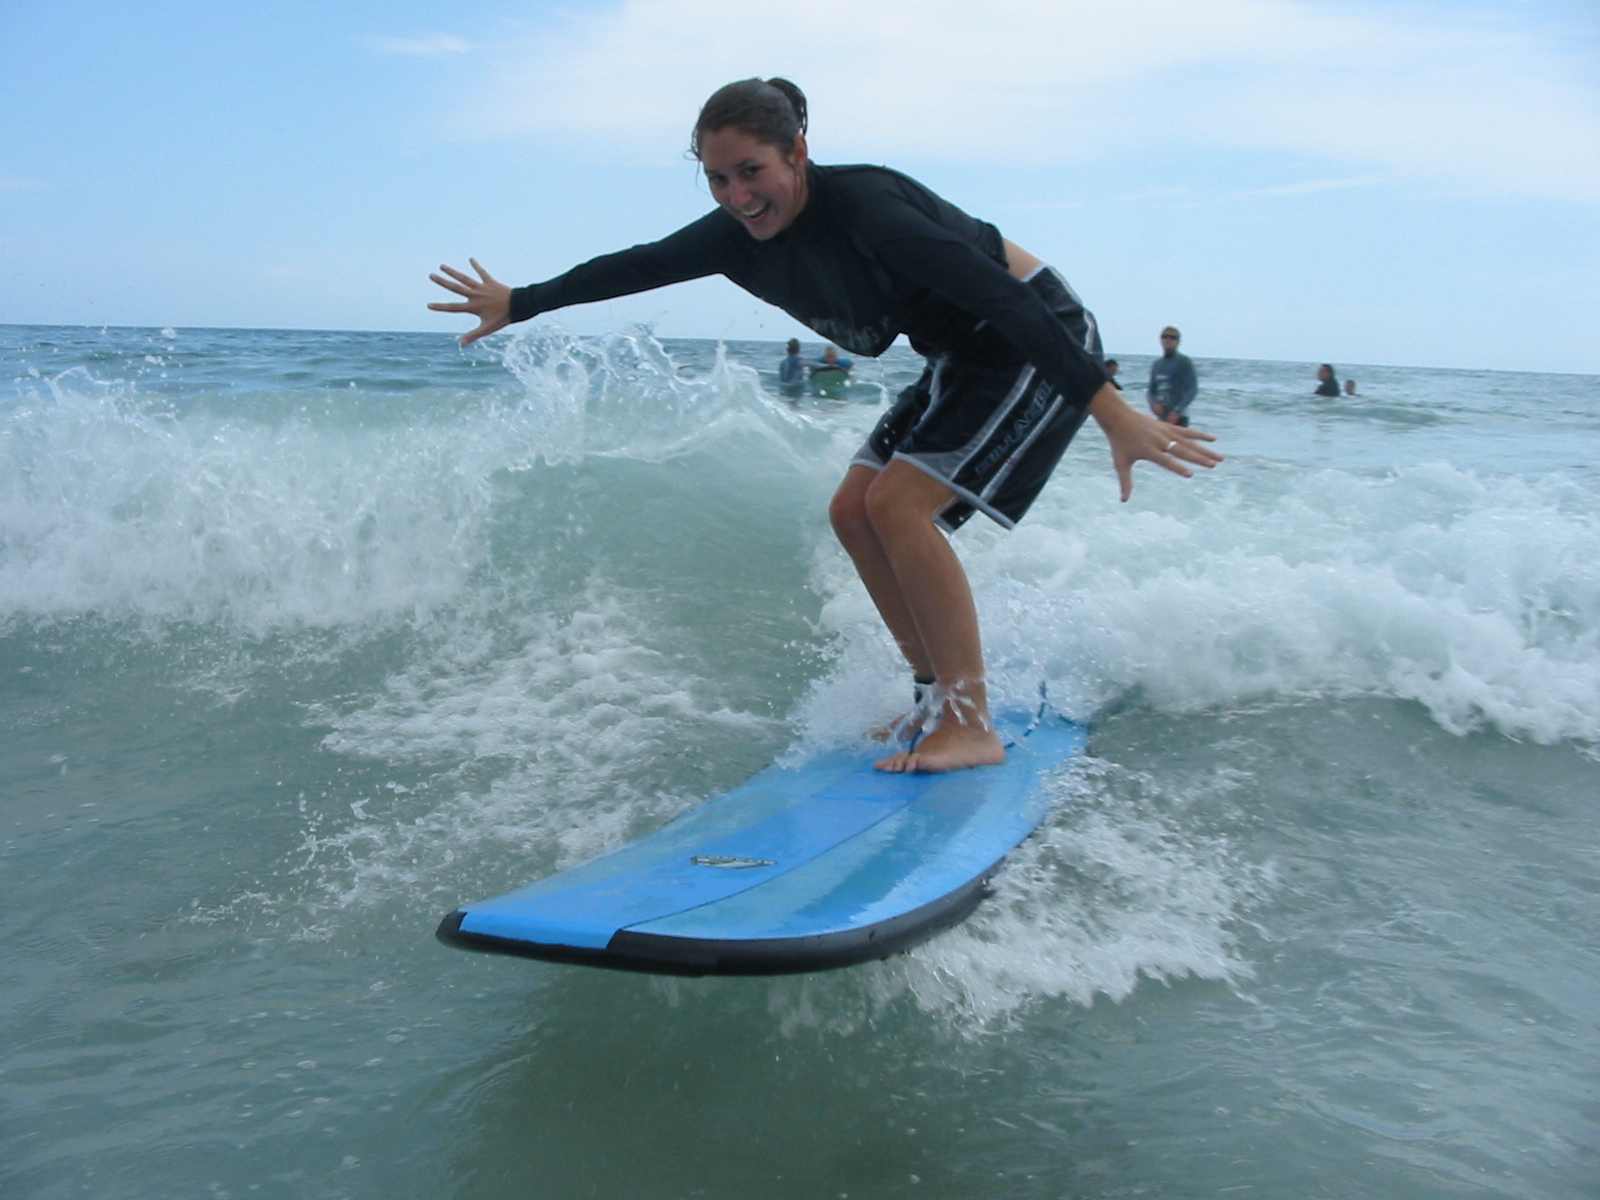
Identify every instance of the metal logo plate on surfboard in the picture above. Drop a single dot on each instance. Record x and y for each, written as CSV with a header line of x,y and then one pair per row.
x,y
730,862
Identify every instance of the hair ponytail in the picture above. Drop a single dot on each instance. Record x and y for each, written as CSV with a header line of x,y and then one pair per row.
x,y
769,110
796,98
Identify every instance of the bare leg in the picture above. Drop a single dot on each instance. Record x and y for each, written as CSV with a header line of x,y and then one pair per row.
x,y
853,526
913,574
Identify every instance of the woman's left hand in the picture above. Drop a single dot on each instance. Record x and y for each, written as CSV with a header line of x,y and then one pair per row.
x,y
1133,436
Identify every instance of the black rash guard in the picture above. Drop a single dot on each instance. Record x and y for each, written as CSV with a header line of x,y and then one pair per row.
x,y
873,254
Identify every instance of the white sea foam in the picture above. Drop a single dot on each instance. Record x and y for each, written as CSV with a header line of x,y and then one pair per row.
x,y
1480,600
115,506
119,504
540,754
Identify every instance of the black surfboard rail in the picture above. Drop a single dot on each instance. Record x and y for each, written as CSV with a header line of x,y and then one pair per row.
x,y
658,955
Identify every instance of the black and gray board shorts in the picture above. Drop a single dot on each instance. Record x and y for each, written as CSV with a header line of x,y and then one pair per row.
x,y
989,426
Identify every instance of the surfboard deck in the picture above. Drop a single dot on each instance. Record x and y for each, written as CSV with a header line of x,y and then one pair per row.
x,y
800,868
827,381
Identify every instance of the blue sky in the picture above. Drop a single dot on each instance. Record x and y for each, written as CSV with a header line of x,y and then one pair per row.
x,y
1411,183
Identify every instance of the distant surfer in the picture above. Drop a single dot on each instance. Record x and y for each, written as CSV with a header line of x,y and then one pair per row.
x,y
862,254
1327,381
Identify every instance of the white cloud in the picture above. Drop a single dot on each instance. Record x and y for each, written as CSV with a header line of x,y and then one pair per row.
x,y
426,45
1397,91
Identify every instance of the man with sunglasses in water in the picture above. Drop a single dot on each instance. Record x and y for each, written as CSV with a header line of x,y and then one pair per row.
x,y
1172,381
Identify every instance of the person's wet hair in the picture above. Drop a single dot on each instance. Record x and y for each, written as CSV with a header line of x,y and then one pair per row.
x,y
770,110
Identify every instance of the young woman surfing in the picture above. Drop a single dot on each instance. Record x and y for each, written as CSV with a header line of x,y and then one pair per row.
x,y
860,255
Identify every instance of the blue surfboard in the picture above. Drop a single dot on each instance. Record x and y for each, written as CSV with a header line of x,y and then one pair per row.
x,y
800,868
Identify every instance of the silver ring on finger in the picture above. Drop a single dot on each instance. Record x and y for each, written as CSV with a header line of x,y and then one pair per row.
x,y
1170,445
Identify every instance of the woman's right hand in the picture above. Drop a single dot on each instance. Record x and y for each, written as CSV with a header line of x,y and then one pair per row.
x,y
486,298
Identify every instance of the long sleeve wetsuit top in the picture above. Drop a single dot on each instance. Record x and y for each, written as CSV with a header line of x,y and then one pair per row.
x,y
1172,382
873,254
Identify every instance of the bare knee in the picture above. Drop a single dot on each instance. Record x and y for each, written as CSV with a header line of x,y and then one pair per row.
x,y
890,509
848,510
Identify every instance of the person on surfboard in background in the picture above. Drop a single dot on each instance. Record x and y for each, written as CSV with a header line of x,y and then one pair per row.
x,y
830,361
862,254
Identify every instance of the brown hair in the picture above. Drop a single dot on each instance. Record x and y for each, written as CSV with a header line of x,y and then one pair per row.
x,y
770,110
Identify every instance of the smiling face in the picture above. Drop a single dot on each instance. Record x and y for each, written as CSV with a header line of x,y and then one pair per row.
x,y
764,189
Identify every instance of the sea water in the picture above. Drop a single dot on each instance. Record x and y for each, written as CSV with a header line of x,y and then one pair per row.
x,y
307,637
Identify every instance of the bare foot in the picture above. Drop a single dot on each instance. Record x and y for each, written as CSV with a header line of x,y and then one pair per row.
x,y
951,747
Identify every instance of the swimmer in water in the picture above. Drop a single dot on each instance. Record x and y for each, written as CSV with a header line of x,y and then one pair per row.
x,y
791,371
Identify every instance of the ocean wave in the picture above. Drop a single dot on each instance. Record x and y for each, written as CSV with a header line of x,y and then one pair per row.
x,y
1478,598
118,503
615,593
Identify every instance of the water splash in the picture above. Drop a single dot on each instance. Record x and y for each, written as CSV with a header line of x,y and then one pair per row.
x,y
622,395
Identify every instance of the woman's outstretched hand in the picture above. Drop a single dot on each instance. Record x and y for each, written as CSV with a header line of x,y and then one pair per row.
x,y
1134,436
486,298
